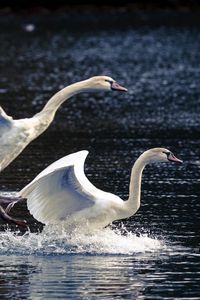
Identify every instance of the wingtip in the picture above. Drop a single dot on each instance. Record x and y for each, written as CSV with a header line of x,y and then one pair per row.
x,y
81,155
86,152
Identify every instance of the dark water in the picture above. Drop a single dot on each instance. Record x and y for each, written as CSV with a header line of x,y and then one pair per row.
x,y
155,254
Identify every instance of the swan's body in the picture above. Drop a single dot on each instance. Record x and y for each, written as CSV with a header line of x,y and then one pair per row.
x,y
15,135
62,192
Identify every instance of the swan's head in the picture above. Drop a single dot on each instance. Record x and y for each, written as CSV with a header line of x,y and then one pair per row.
x,y
160,155
105,83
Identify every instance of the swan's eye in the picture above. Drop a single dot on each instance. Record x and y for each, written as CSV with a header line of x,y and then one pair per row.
x,y
167,152
110,81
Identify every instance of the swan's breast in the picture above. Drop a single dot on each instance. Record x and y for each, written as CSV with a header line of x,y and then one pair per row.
x,y
12,140
102,213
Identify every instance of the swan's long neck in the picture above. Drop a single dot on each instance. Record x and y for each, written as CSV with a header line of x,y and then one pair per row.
x,y
133,202
54,103
43,119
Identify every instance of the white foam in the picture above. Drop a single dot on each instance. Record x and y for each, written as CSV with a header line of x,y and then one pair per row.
x,y
55,241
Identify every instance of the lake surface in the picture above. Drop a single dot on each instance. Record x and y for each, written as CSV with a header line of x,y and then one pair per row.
x,y
156,253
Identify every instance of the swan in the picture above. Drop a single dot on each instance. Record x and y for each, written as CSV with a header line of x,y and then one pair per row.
x,y
15,135
62,192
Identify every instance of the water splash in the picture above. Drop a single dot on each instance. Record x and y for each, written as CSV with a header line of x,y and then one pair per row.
x,y
55,241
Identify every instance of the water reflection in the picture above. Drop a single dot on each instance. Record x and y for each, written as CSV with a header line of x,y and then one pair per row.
x,y
105,277
88,277
74,276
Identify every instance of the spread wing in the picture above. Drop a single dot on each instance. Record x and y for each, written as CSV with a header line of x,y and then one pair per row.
x,y
61,190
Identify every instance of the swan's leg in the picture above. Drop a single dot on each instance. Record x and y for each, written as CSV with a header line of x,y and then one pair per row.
x,y
8,208
9,200
8,218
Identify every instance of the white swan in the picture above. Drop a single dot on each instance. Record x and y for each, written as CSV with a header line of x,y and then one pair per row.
x,y
62,192
15,135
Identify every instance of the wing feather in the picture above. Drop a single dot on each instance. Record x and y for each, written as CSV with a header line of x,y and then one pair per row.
x,y
62,189
56,193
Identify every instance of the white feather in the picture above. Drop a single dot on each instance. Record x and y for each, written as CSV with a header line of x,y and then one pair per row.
x,y
61,190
